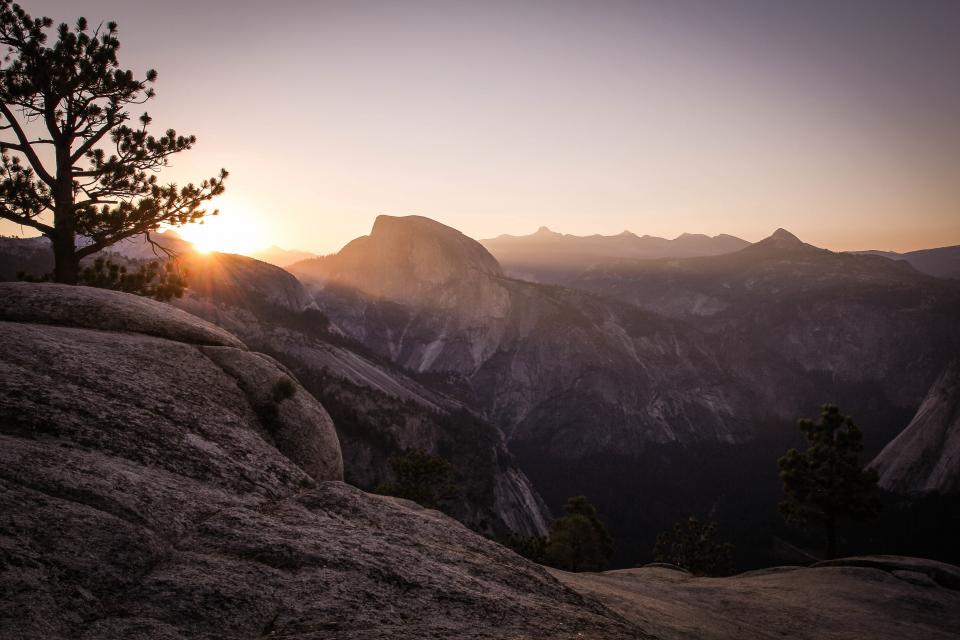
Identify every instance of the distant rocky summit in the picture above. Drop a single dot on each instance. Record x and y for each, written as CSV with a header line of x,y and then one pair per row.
x,y
925,458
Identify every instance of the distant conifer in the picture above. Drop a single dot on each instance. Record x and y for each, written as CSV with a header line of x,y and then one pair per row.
x,y
425,478
578,541
827,482
693,545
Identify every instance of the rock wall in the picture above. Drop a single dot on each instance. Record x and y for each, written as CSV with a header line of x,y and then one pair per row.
x,y
925,457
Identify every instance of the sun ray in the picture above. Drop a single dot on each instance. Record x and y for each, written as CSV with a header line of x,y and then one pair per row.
x,y
236,229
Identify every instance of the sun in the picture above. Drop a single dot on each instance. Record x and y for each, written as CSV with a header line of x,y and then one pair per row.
x,y
235,230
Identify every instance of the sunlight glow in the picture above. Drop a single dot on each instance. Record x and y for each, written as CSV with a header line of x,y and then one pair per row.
x,y
236,229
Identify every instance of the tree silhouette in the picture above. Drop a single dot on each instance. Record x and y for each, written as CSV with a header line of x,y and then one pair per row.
x,y
67,104
422,477
160,281
578,541
826,482
693,545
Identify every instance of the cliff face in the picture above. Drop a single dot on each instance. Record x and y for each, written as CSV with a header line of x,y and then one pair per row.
x,y
925,457
148,491
419,263
415,260
377,408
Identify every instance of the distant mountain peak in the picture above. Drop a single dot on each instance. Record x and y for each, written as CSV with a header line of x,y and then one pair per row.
x,y
418,261
545,232
783,236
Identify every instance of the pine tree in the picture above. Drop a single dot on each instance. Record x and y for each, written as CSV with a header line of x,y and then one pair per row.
x,y
693,545
578,541
827,483
67,104
425,478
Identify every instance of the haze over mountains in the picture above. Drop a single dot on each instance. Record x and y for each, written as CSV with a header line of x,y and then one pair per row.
x,y
545,256
943,262
659,386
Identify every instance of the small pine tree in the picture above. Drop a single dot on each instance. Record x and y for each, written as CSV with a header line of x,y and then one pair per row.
x,y
578,541
153,280
530,547
827,483
422,477
692,545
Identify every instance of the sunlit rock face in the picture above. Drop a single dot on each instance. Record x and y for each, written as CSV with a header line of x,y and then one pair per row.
x,y
415,260
145,492
422,264
240,282
925,458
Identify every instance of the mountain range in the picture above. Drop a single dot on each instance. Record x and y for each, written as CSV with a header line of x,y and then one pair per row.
x,y
546,255
660,387
942,262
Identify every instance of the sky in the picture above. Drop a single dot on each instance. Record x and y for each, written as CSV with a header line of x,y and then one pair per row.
x,y
836,120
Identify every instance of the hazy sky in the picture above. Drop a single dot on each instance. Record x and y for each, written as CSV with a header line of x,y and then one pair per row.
x,y
837,120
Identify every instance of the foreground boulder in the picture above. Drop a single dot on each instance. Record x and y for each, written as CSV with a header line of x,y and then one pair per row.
x,y
155,484
879,597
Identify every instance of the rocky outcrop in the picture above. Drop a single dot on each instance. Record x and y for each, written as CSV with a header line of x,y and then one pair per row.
x,y
925,457
71,352
105,310
882,597
153,486
243,282
417,261
378,409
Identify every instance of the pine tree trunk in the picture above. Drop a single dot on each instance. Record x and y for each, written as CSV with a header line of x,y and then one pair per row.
x,y
66,266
